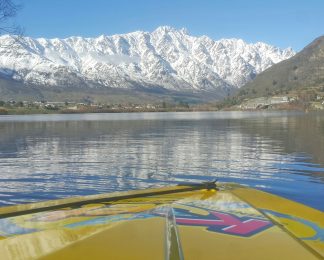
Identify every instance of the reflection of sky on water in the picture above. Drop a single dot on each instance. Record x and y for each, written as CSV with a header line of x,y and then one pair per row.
x,y
46,157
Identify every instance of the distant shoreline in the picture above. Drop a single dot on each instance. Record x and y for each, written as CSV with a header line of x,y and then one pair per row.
x,y
16,109
101,111
41,112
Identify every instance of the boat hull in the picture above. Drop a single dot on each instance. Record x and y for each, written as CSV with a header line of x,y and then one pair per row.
x,y
179,222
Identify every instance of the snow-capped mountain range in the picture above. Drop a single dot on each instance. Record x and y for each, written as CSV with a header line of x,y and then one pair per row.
x,y
166,57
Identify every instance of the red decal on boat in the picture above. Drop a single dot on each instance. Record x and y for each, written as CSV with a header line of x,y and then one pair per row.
x,y
225,223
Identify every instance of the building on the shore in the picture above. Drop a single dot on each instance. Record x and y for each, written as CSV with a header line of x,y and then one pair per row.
x,y
264,102
279,100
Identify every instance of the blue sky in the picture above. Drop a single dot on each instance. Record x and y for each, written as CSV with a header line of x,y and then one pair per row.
x,y
282,23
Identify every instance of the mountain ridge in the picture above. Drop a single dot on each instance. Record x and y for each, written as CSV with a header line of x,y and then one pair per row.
x,y
165,58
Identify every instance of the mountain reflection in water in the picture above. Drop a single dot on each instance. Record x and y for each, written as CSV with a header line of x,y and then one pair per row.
x,y
54,156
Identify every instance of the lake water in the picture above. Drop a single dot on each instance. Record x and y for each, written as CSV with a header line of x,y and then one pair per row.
x,y
54,156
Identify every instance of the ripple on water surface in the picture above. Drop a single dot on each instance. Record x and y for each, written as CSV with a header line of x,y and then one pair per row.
x,y
47,157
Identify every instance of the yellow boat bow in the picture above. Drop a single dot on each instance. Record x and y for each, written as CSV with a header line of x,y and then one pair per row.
x,y
179,222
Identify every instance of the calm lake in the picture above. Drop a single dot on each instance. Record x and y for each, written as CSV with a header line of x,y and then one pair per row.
x,y
54,156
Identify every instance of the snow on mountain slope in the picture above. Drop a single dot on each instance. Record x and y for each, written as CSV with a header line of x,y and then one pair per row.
x,y
166,57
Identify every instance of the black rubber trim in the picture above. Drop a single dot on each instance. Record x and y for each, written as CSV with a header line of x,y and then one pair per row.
x,y
189,187
210,185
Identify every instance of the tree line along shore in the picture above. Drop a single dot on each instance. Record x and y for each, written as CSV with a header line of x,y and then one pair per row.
x,y
280,102
45,107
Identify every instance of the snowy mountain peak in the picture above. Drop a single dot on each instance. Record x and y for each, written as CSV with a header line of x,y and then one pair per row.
x,y
169,29
167,57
